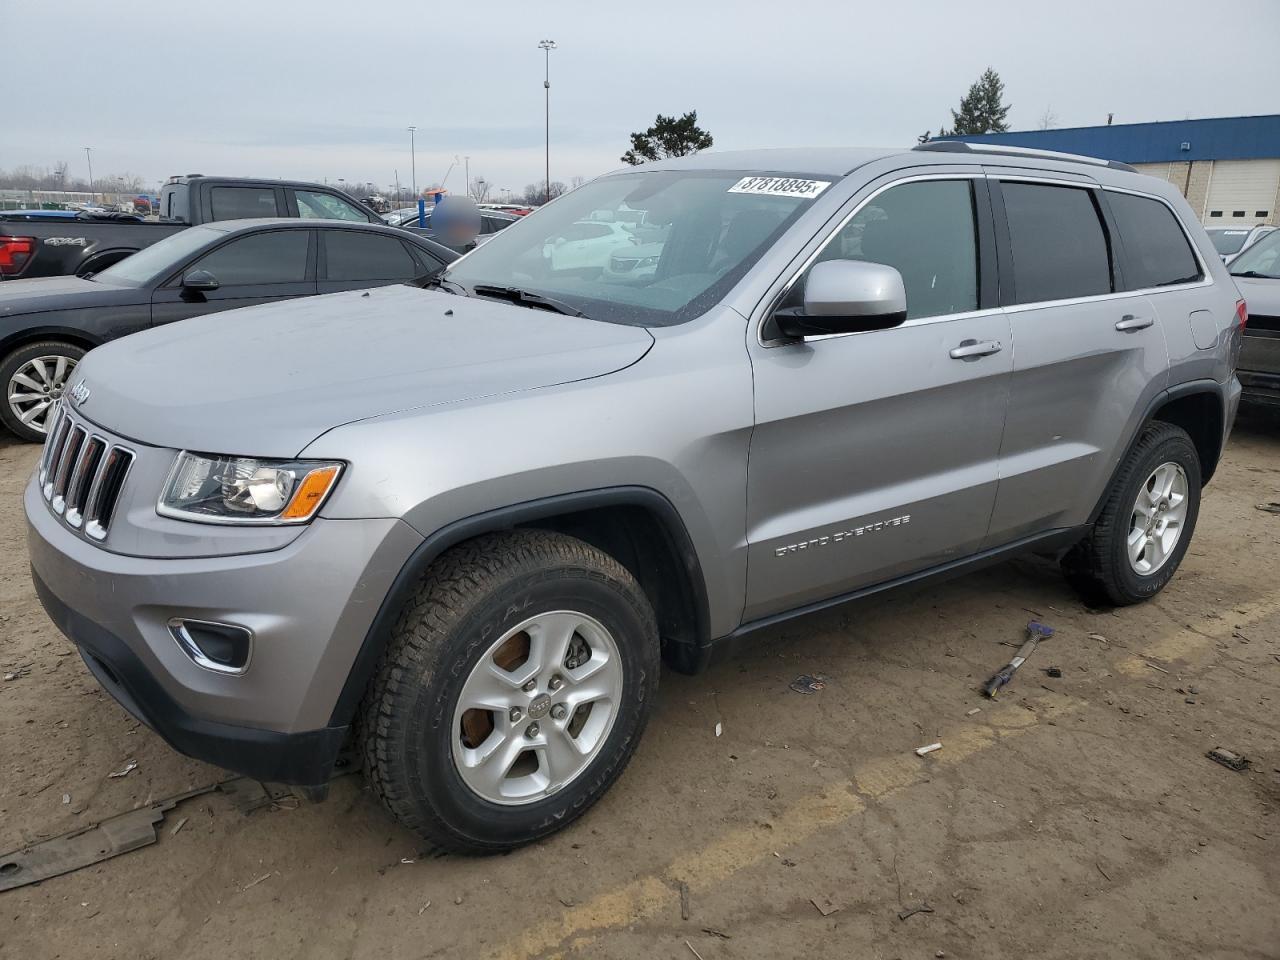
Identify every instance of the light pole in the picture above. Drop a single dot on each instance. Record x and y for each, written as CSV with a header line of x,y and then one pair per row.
x,y
89,159
466,173
413,163
547,46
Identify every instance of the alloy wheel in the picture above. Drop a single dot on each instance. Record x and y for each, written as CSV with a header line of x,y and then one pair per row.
x,y
36,387
1158,518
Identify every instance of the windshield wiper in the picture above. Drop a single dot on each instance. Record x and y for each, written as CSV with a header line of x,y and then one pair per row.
x,y
1255,275
437,282
527,298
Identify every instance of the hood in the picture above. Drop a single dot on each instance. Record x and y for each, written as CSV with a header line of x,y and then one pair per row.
x,y
267,380
1262,296
39,294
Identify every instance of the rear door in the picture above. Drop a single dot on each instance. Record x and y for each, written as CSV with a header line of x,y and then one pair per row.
x,y
875,454
252,269
1089,355
356,259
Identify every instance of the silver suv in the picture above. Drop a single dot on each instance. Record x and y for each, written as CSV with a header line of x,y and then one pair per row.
x,y
464,525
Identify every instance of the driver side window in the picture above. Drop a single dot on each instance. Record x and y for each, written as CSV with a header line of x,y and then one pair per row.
x,y
925,230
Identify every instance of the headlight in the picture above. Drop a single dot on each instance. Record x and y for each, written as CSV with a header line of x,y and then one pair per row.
x,y
217,489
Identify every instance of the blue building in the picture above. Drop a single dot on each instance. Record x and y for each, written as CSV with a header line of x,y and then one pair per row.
x,y
1228,168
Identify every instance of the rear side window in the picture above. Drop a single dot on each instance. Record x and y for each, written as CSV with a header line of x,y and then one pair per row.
x,y
324,206
927,232
277,257
353,255
242,203
1157,253
1059,245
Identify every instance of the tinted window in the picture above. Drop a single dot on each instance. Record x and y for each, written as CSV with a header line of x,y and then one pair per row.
x,y
1260,260
239,203
277,257
353,255
1156,250
1059,247
925,230
324,206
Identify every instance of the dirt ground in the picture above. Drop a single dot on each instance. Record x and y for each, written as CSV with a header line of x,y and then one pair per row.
x,y
1074,818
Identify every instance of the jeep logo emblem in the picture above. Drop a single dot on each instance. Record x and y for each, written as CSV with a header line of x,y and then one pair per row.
x,y
539,707
79,394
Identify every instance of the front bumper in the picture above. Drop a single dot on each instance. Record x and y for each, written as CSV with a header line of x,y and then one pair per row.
x,y
309,604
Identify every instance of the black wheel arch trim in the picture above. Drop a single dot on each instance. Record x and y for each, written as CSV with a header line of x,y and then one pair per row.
x,y
1177,391
508,518
30,335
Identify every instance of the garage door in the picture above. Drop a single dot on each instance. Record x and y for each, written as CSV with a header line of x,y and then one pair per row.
x,y
1242,191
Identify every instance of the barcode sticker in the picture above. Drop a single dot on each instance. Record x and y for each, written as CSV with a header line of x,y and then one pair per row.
x,y
780,187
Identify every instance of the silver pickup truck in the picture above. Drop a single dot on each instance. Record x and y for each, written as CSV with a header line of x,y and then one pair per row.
x,y
464,525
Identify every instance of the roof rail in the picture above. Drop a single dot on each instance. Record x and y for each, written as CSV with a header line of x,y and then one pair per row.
x,y
1000,149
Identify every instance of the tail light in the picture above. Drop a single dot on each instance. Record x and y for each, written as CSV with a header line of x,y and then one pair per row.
x,y
15,254
1242,314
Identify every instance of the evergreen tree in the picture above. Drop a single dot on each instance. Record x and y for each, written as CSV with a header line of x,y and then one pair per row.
x,y
668,137
983,109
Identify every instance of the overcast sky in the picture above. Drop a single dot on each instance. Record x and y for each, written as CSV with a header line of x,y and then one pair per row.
x,y
322,90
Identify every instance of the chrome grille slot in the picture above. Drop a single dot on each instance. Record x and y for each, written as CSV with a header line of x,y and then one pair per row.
x,y
65,467
102,503
82,479
82,474
52,453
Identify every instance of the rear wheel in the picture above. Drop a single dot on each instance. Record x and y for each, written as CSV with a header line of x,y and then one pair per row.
x,y
34,378
514,691
1146,524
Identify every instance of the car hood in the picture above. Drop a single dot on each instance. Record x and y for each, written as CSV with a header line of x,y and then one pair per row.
x,y
1262,296
267,380
38,294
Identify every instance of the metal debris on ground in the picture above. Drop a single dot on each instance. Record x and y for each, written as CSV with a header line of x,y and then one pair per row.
x,y
88,845
1036,632
692,950
178,826
913,910
1054,672
684,900
807,684
921,751
719,728
254,883
1232,761
970,713
125,770
826,906
1271,507
713,932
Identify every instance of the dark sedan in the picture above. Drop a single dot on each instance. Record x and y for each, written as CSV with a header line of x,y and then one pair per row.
x,y
47,324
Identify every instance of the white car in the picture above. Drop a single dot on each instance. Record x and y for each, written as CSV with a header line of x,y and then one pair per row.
x,y
1230,242
584,244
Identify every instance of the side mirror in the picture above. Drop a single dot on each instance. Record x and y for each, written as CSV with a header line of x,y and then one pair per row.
x,y
199,280
846,296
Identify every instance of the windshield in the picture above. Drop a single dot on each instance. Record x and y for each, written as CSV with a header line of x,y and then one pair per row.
x,y
159,259
1228,241
1260,260
644,248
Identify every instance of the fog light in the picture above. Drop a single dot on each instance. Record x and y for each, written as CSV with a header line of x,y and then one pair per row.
x,y
220,647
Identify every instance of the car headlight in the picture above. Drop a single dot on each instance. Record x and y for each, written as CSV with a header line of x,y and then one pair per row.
x,y
215,489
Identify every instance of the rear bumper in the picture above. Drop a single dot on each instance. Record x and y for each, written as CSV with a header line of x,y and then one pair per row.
x,y
1260,387
296,758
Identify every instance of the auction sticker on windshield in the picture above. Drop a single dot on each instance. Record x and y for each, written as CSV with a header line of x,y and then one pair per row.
x,y
780,186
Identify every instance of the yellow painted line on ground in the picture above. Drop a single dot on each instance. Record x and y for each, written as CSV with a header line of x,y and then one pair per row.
x,y
1188,645
649,896
738,849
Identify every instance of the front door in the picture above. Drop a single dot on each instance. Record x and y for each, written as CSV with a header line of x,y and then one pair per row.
x,y
875,454
252,269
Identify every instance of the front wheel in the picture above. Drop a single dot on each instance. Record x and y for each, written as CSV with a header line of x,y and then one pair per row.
x,y
516,686
1146,524
34,377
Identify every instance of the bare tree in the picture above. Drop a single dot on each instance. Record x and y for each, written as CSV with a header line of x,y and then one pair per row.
x,y
1048,119
576,182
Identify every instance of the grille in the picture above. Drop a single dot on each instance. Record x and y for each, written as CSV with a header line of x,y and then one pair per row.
x,y
1258,322
82,474
624,266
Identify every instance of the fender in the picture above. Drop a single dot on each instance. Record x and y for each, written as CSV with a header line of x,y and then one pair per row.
x,y
506,518
1160,399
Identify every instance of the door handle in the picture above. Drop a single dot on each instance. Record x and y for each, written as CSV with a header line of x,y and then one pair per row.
x,y
1129,322
976,349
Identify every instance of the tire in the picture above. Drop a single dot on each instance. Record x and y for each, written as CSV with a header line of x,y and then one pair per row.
x,y
47,354
419,739
1101,567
